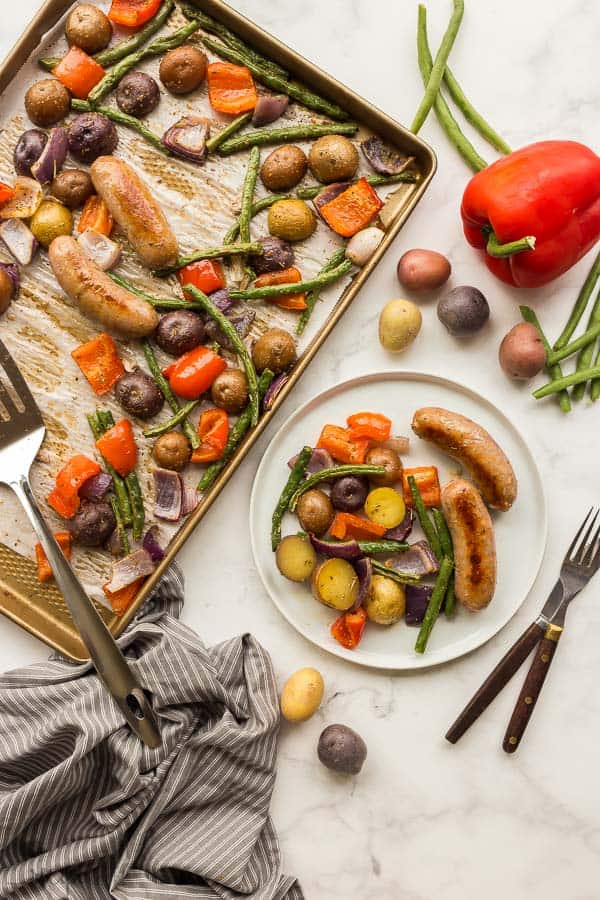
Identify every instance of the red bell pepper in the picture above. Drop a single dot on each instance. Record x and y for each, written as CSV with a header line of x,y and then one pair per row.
x,y
207,275
213,431
6,193
44,573
374,426
284,276
64,498
428,485
192,374
117,446
341,444
231,88
100,363
545,196
348,629
120,601
133,13
95,216
78,72
347,525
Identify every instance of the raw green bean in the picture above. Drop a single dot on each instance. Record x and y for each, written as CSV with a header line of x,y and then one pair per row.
x,y
388,572
313,295
309,193
106,419
448,550
118,483
225,133
583,342
472,115
334,472
295,479
300,287
580,305
424,520
595,386
123,119
553,387
293,89
240,348
240,249
165,389
121,530
554,371
285,134
584,360
442,110
232,40
434,80
435,604
127,63
175,420
235,436
259,206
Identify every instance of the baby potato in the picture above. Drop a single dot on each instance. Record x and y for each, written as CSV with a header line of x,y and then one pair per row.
x,y
302,695
522,354
335,584
333,158
399,324
291,220
423,270
283,168
50,220
385,506
386,602
315,511
391,462
295,557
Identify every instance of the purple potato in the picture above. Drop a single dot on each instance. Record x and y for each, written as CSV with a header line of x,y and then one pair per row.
x,y
349,493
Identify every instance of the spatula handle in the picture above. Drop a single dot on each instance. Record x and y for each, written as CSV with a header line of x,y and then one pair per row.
x,y
110,663
496,680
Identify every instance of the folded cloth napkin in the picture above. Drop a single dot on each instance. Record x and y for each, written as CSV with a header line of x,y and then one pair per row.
x,y
87,812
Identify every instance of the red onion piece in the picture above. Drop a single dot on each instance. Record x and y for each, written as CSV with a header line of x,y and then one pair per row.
x,y
187,138
19,240
419,559
402,531
269,108
129,569
320,459
330,193
242,322
222,300
273,390
152,545
400,444
169,495
52,157
417,601
105,253
383,158
96,487
13,273
348,550
364,569
189,499
28,196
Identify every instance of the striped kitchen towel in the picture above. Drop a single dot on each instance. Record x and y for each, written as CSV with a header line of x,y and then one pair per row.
x,y
88,813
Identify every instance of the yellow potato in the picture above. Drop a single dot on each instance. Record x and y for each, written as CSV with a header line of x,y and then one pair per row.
x,y
386,601
399,324
335,583
295,557
385,506
301,695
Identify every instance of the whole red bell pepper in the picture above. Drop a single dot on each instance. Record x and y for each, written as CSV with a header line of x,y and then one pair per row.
x,y
535,212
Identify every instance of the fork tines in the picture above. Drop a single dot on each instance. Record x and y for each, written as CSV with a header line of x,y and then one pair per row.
x,y
585,552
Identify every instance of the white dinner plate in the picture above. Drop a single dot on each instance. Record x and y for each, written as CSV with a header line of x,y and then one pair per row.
x,y
520,532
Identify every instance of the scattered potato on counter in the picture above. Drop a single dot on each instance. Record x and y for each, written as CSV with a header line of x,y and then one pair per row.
x,y
399,324
423,270
342,750
463,311
522,353
302,695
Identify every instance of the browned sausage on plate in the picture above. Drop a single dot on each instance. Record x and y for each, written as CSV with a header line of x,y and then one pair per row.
x,y
96,294
135,211
473,541
474,448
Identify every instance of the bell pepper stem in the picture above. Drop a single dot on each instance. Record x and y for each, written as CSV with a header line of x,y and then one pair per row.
x,y
494,248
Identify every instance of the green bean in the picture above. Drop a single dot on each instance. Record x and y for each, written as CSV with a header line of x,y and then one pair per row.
x,y
448,551
580,305
121,530
259,206
473,116
248,190
554,371
236,435
595,386
442,110
165,389
435,604
292,89
106,419
49,62
295,478
584,342
282,290
372,548
334,472
285,134
309,193
240,249
559,384
157,302
240,348
424,520
175,420
123,119
119,487
584,360
434,80
387,572
127,63
313,295
236,125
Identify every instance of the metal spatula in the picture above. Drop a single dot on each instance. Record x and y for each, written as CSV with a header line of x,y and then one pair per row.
x,y
21,434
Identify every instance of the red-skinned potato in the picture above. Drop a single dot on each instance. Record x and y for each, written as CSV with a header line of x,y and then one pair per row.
x,y
522,354
423,270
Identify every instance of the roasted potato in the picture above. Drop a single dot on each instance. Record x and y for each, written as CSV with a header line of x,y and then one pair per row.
x,y
88,27
295,557
50,220
391,462
315,512
335,584
284,168
229,390
183,69
274,350
386,602
72,187
291,220
172,451
47,102
333,158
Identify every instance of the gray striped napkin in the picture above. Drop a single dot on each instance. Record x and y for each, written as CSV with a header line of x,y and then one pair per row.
x,y
87,812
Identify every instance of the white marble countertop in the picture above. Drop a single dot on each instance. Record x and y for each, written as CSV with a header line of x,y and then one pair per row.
x,y
425,820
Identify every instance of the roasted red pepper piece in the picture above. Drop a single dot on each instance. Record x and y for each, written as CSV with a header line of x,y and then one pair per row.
x,y
117,446
64,498
231,88
347,525
95,216
100,363
348,629
78,72
213,431
120,601
63,539
207,275
550,191
193,373
133,13
284,276
374,426
341,444
428,484
353,209
6,192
